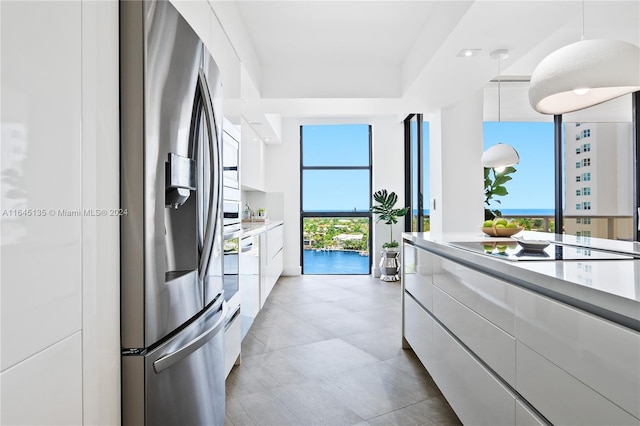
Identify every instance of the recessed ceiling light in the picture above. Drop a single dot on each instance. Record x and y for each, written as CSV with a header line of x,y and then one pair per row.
x,y
468,53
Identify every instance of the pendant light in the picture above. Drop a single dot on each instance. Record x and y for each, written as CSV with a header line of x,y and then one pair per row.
x,y
584,74
499,156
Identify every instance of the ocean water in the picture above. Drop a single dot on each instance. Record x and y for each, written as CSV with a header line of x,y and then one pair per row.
x,y
335,262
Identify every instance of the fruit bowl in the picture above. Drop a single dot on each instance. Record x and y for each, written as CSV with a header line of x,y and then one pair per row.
x,y
501,232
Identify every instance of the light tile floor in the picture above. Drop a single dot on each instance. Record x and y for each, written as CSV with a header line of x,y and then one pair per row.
x,y
326,350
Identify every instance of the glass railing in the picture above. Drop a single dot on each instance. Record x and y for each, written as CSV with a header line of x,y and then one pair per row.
x,y
596,226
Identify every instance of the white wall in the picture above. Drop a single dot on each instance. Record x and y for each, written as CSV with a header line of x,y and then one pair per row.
x,y
388,173
282,171
60,277
456,175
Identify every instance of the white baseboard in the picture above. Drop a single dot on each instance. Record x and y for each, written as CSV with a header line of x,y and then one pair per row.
x,y
292,271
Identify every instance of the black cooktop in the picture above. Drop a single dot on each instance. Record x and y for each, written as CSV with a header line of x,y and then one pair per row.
x,y
510,250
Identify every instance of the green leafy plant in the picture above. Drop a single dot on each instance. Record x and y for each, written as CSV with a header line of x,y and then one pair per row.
x,y
386,211
494,186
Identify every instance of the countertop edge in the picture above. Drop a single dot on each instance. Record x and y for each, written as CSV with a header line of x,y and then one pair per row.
x,y
617,309
250,229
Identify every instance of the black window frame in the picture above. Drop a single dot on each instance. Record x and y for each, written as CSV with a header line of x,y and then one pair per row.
x,y
310,214
408,173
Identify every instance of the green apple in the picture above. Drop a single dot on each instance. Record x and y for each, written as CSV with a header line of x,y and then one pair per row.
x,y
500,226
512,225
501,221
487,224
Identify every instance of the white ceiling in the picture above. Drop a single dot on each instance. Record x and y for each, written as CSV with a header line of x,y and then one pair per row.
x,y
370,57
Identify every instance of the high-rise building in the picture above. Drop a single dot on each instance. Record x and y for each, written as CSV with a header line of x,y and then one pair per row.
x,y
598,180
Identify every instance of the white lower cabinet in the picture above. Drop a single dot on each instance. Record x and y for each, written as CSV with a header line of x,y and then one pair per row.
x,y
477,397
487,296
418,274
249,281
603,355
502,355
232,342
45,389
263,269
562,398
525,416
271,260
495,347
418,331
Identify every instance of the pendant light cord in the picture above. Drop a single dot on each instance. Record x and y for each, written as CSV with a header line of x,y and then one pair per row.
x,y
499,55
499,94
582,37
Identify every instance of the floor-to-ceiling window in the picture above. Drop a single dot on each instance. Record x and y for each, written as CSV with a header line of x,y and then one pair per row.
x,y
530,190
598,180
417,173
335,198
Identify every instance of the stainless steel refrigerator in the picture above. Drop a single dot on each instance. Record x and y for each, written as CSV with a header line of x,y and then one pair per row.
x,y
172,302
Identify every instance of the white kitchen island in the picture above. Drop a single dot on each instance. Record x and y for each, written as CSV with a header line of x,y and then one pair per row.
x,y
526,341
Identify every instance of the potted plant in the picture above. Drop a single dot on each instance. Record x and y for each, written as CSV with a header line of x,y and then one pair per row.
x,y
494,187
386,211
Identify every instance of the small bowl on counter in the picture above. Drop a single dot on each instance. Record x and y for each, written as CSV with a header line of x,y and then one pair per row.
x,y
531,245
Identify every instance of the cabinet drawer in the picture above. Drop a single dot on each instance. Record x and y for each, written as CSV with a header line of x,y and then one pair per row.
x,y
276,266
603,355
275,241
491,344
490,297
418,275
527,417
562,398
232,343
417,331
476,396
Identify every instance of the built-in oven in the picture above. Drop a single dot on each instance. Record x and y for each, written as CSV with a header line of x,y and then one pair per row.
x,y
230,159
231,267
231,213
231,285
231,231
231,216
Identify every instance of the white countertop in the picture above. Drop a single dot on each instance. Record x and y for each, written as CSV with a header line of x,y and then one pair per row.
x,y
257,227
607,288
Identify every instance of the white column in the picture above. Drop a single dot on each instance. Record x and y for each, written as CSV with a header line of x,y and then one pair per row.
x,y
282,174
456,175
100,235
388,173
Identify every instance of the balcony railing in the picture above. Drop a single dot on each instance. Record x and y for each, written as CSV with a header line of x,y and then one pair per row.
x,y
612,227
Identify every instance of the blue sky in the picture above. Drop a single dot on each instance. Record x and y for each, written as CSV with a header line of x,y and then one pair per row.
x,y
336,145
532,186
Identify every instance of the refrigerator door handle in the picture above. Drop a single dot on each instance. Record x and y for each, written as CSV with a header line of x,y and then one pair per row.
x,y
214,201
168,360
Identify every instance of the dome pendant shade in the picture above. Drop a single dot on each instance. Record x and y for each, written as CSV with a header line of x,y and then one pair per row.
x,y
499,156
584,74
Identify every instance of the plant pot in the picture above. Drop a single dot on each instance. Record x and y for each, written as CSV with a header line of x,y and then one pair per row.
x,y
389,265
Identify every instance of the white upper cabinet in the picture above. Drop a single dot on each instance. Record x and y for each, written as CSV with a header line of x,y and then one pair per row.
x,y
252,159
41,170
